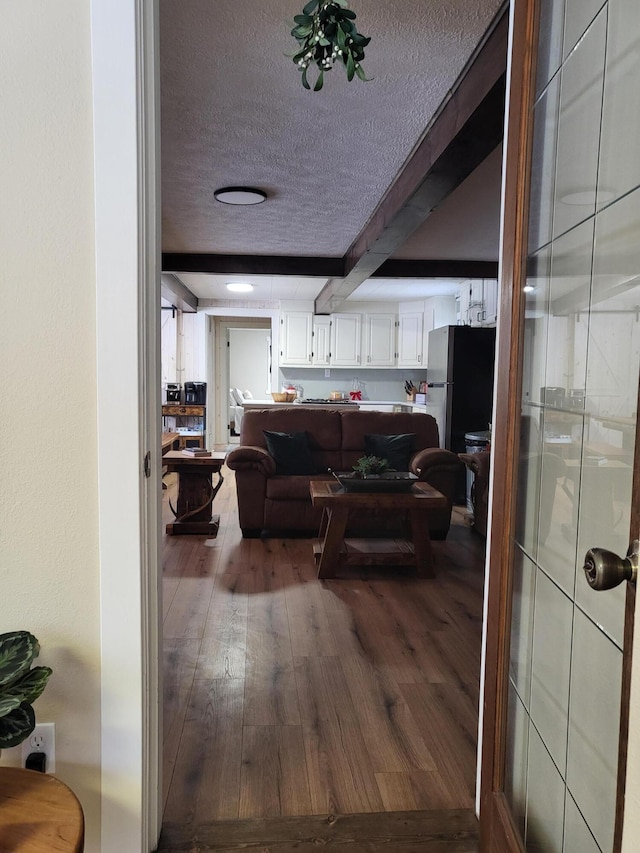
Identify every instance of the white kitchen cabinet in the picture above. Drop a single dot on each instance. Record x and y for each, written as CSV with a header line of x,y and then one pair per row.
x,y
490,302
478,301
296,329
321,352
410,339
346,340
379,340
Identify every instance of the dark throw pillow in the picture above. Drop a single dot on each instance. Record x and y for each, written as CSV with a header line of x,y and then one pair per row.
x,y
396,449
290,451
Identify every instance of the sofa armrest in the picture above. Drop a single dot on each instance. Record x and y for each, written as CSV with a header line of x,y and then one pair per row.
x,y
478,463
248,458
431,458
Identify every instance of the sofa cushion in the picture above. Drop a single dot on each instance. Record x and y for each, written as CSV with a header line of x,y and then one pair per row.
x,y
396,449
290,451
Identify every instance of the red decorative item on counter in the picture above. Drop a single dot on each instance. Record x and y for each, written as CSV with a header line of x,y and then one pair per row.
x,y
355,395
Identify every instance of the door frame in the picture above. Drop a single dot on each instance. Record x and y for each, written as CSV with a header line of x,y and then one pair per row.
x,y
498,832
220,319
127,275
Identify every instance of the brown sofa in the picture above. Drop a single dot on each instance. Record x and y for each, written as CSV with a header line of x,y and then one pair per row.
x,y
268,502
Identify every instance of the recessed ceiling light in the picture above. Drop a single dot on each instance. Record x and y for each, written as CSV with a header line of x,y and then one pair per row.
x,y
588,197
239,195
239,287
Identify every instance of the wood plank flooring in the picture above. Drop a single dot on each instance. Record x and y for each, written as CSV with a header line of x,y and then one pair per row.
x,y
291,699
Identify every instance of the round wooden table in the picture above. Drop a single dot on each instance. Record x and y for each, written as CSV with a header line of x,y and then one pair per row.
x,y
38,814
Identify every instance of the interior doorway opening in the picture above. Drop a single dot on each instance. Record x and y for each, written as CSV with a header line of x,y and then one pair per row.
x,y
240,357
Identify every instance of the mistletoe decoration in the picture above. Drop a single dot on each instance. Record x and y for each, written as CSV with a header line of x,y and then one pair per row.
x,y
327,34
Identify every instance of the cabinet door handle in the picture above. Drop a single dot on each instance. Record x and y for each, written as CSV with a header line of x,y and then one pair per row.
x,y
419,359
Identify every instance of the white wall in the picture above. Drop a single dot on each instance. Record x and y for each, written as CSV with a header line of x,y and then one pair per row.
x,y
49,582
249,360
192,348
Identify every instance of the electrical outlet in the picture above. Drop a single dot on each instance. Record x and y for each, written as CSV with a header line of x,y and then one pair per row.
x,y
327,373
42,739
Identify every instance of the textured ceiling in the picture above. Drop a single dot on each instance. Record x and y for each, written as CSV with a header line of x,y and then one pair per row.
x,y
234,112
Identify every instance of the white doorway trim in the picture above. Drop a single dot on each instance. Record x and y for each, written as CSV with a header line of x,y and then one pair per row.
x,y
218,368
127,330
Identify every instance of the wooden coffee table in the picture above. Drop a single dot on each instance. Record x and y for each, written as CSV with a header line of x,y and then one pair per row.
x,y
333,550
195,492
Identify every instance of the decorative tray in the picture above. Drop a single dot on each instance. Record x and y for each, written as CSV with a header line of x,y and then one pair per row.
x,y
390,481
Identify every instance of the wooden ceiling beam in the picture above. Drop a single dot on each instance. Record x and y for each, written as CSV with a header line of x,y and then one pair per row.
x,y
433,268
185,262
466,129
175,292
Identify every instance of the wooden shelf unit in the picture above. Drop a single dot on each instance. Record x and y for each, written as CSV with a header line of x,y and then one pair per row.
x,y
183,416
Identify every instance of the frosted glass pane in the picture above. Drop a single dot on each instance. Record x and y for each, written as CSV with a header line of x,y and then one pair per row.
x,y
578,16
577,837
560,482
594,719
619,160
545,799
545,133
580,107
515,786
550,668
549,41
522,625
611,399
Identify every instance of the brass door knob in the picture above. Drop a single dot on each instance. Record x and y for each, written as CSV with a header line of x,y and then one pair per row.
x,y
604,570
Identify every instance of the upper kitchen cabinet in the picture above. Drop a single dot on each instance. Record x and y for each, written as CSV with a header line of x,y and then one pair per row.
x,y
490,300
410,336
478,303
321,354
296,331
380,340
346,337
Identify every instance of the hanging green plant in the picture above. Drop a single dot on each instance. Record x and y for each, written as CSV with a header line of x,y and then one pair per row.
x,y
327,33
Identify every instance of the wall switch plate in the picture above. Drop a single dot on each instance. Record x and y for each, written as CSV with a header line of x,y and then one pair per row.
x,y
327,373
42,739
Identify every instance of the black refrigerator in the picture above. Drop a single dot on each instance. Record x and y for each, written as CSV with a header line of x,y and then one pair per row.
x,y
460,368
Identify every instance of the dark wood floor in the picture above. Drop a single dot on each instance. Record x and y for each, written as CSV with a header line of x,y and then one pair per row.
x,y
288,698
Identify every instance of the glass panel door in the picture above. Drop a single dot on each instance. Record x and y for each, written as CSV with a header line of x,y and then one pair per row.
x,y
579,409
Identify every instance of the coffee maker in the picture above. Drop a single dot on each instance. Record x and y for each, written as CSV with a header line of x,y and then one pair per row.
x,y
195,393
172,392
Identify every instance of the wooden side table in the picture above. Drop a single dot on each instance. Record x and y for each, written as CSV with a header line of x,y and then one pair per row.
x,y
195,492
333,550
38,814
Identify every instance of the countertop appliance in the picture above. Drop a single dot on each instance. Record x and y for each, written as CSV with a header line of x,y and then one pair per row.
x,y
173,392
460,370
195,393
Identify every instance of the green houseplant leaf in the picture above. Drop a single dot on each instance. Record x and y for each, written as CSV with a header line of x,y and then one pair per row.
x,y
16,726
367,465
20,685
17,650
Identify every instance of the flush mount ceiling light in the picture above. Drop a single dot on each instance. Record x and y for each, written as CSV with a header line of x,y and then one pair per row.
x,y
588,197
239,287
239,195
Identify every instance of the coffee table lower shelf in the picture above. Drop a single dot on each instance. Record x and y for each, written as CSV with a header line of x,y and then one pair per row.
x,y
371,552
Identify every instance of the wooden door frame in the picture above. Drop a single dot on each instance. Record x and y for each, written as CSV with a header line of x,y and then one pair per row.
x,y
498,832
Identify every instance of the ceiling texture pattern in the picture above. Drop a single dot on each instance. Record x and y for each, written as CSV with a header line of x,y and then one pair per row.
x,y
234,112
